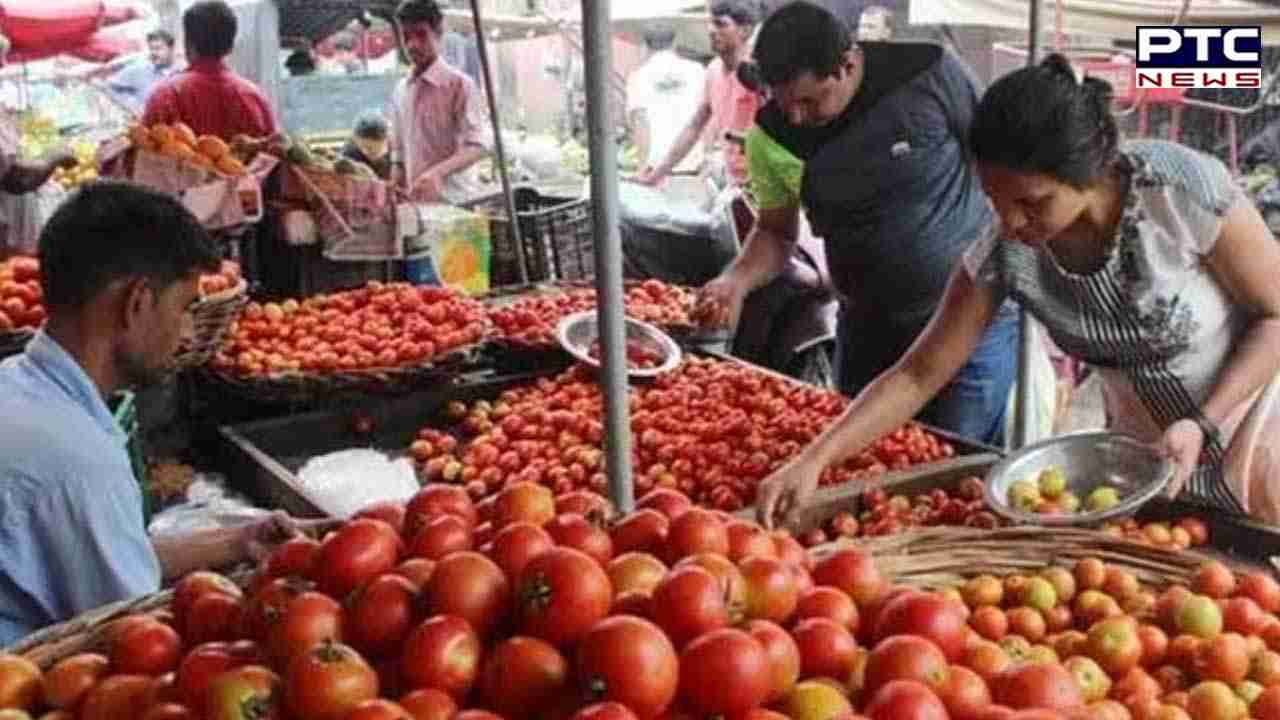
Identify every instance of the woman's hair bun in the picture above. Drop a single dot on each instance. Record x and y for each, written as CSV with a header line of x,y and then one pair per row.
x,y
1060,65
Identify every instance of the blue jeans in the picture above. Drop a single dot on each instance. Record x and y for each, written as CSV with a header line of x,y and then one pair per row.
x,y
972,405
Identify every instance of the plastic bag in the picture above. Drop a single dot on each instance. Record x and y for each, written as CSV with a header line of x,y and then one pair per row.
x,y
207,505
344,482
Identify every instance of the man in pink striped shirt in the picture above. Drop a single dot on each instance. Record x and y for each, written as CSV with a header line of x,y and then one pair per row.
x,y
437,117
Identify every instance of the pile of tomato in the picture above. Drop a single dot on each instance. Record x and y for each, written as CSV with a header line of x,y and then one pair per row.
x,y
21,296
532,320
379,326
227,277
639,355
711,429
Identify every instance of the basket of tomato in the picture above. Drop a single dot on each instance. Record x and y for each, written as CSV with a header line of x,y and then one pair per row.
x,y
222,296
383,337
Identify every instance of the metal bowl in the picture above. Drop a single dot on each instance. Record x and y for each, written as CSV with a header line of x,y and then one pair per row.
x,y
1088,460
578,332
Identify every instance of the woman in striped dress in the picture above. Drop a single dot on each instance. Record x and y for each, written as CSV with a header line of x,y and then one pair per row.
x,y
1141,258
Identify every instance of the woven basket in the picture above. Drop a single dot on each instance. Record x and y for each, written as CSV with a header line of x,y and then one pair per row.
x,y
14,342
944,557
212,317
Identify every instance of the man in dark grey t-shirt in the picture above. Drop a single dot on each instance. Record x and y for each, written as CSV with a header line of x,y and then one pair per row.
x,y
880,128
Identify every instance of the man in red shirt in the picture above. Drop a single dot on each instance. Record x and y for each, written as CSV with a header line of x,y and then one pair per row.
x,y
208,96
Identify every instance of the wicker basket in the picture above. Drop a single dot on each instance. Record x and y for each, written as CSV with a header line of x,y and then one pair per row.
x,y
942,557
14,342
212,317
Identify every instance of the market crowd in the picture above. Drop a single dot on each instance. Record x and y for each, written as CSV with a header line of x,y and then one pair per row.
x,y
944,209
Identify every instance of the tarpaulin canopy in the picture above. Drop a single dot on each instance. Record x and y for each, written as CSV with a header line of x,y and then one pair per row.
x,y
1105,18
91,29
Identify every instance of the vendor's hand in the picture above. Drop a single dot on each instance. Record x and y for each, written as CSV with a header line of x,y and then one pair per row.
x,y
1181,444
650,176
429,187
783,495
719,303
260,537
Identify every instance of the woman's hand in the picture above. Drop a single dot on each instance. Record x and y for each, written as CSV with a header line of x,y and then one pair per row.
x,y
783,495
1181,444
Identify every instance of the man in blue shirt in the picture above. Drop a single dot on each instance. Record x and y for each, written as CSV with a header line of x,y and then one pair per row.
x,y
133,83
120,268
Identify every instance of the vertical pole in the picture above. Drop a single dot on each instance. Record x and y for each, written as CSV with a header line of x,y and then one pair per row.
x,y
499,150
598,63
1023,400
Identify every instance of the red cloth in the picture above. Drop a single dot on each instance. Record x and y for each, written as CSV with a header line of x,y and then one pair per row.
x,y
212,100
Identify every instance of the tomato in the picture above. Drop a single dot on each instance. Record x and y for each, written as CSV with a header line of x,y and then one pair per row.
x,y
434,500
477,715
644,530
696,531
522,676
585,503
169,711
747,539
294,557
1037,685
118,697
268,604
629,660
770,588
441,536
251,692
355,554
328,681
605,711
635,571
905,657
929,615
66,683
524,502
783,653
379,709
381,614
561,594
669,502
575,531
1261,588
310,618
148,647
827,649
905,700
964,693
1215,579
716,656
852,572
689,602
215,616
199,668
518,543
388,511
471,586
1224,658
193,585
442,652
417,571
429,704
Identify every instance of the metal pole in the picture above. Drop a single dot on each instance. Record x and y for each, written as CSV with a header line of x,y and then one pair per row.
x,y
1022,402
498,147
598,62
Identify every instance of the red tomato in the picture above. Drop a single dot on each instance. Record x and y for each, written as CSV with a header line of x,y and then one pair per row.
x,y
355,554
193,585
169,711
694,532
429,704
770,588
904,657
471,586
635,571
669,502
523,676
689,602
381,614
852,572
441,536
644,530
268,604
561,594
388,511
66,683
784,656
328,681
828,602
434,500
605,711
585,503
417,571
1037,685
518,543
378,709
827,648
293,557
711,659
629,660
310,618
215,616
929,615
199,668
443,652
148,647
523,502
964,693
575,531
118,697
747,539
905,700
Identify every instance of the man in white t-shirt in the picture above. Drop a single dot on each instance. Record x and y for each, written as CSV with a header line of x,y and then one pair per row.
x,y
662,95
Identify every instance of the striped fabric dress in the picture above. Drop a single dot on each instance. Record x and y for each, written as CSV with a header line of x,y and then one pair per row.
x,y
1152,320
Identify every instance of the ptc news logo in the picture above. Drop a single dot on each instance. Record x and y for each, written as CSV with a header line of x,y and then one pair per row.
x,y
1198,57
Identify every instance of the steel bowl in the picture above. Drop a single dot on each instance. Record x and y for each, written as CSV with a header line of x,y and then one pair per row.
x,y
578,332
1088,460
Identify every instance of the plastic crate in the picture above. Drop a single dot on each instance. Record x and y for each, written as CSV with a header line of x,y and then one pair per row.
x,y
557,238
124,408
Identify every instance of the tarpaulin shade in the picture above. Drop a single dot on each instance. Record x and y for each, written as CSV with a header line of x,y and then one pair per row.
x,y
92,29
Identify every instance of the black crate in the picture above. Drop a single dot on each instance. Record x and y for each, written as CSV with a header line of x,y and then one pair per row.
x,y
557,238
